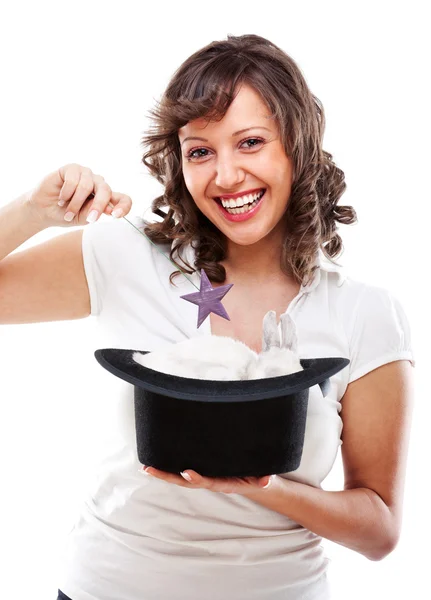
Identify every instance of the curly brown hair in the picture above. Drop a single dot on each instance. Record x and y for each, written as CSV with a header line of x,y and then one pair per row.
x,y
204,86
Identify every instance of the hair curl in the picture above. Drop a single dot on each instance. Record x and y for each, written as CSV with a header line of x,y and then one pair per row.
x,y
204,86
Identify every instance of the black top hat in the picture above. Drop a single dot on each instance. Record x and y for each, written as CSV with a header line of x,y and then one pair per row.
x,y
220,428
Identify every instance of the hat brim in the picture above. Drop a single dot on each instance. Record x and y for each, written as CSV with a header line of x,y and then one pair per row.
x,y
316,371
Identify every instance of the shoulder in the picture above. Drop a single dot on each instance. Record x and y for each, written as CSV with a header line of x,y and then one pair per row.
x,y
368,307
108,229
352,295
359,298
366,310
118,241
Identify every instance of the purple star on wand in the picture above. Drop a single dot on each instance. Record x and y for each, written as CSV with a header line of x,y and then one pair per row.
x,y
209,299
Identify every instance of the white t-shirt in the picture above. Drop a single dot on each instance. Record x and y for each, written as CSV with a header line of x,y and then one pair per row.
x,y
141,538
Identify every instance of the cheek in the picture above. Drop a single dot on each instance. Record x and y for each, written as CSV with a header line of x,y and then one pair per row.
x,y
195,188
283,176
187,179
194,182
279,167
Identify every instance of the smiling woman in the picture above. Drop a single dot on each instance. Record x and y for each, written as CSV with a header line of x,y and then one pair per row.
x,y
243,177
259,128
252,198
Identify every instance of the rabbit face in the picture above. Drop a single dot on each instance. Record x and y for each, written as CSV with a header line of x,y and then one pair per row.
x,y
221,358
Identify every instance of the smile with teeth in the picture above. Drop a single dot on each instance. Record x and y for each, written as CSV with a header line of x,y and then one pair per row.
x,y
243,204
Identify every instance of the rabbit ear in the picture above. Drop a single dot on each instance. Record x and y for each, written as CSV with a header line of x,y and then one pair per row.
x,y
289,338
271,337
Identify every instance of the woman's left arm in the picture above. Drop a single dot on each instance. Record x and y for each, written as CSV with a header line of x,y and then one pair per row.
x,y
367,515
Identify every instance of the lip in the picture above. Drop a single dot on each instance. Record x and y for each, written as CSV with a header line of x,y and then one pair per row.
x,y
239,194
241,216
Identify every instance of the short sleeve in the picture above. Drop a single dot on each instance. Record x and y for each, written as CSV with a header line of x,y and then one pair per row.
x,y
96,279
106,248
380,333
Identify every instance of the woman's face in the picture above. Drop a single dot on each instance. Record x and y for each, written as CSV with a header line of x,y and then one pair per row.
x,y
226,160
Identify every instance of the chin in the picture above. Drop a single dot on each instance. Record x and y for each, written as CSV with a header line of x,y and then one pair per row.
x,y
245,239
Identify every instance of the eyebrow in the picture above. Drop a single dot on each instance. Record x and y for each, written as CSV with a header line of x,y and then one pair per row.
x,y
233,135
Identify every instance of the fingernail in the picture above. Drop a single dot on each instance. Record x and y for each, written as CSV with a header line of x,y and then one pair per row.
x,y
143,471
117,212
69,216
61,202
186,476
92,216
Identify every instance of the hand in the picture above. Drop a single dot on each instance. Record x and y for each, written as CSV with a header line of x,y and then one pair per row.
x,y
76,190
226,485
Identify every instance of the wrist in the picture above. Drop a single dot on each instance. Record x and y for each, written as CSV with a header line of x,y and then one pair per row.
x,y
31,214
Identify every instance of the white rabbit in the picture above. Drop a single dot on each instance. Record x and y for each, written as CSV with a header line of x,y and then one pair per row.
x,y
209,357
220,358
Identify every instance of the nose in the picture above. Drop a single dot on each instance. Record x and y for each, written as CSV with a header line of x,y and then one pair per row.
x,y
229,174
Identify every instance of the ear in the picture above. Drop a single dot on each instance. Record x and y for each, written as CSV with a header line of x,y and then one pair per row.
x,y
270,337
289,338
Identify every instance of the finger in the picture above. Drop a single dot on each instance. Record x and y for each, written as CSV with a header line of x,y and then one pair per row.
x,y
99,193
259,481
83,188
121,204
109,208
214,484
114,199
169,477
266,481
70,174
192,476
97,206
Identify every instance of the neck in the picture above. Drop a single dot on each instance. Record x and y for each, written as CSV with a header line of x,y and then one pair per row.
x,y
257,262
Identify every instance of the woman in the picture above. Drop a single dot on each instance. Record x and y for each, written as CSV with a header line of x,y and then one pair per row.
x,y
237,119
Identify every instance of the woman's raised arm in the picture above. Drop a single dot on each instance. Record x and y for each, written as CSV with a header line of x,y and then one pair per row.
x,y
47,282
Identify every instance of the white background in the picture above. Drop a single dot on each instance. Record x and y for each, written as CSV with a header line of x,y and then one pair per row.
x,y
77,81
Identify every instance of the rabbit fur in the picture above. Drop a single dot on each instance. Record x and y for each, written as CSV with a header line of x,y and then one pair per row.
x,y
220,358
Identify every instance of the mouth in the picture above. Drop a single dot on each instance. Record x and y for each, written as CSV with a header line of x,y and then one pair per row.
x,y
241,213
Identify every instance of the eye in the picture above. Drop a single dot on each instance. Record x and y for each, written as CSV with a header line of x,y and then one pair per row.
x,y
193,156
253,140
